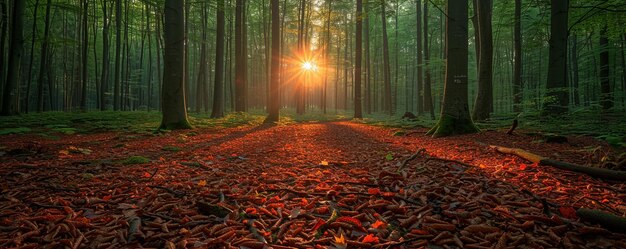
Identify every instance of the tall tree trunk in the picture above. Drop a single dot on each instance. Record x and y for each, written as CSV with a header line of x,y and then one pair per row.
x,y
240,58
32,59
159,50
428,95
483,106
324,89
104,80
386,67
118,55
606,95
218,95
274,97
574,70
557,98
518,94
368,77
173,104
300,91
455,116
16,47
358,113
201,83
83,95
420,76
44,56
4,23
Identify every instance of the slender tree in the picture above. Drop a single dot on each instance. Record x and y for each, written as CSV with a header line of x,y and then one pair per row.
x,y
388,107
358,113
483,106
44,58
218,90
606,95
16,48
85,56
517,66
273,104
455,116
104,79
557,98
428,95
173,104
241,58
419,55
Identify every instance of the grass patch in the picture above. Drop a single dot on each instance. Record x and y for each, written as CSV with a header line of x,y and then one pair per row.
x,y
18,130
136,160
171,148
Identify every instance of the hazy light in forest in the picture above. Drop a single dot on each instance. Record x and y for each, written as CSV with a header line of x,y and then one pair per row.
x,y
309,66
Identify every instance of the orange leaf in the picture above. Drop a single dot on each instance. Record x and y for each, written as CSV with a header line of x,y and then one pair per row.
x,y
251,210
146,175
379,224
106,198
373,191
523,166
370,238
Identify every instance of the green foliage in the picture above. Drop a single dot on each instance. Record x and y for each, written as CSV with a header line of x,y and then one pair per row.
x,y
171,148
18,130
136,160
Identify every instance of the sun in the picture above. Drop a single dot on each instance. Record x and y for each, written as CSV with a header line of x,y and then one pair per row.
x,y
309,66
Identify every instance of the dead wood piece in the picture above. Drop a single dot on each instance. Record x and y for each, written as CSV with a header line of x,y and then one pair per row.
x,y
404,163
606,174
607,220
513,126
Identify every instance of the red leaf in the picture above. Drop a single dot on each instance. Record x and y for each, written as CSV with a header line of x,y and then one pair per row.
x,y
379,224
370,238
106,198
523,167
568,212
373,191
350,220
146,175
318,224
251,210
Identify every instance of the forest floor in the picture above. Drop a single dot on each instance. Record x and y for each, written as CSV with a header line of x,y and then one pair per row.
x,y
334,184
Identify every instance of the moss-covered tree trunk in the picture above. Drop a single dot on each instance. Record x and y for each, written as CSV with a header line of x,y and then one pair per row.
x,y
455,117
173,89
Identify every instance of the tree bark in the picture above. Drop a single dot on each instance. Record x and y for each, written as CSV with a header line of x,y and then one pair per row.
x,y
240,58
606,96
104,80
518,94
386,67
420,58
173,104
44,56
483,106
274,96
85,57
557,98
358,112
428,95
455,116
16,48
218,90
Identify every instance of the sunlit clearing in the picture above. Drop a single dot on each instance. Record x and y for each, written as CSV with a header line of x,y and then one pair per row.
x,y
309,66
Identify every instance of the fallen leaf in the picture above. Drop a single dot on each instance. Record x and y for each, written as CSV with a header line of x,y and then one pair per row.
x,y
568,212
370,238
202,183
379,224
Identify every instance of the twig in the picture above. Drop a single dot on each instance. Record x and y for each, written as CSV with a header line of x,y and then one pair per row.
x,y
404,163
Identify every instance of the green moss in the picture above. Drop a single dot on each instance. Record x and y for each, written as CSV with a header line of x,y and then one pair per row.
x,y
182,125
136,160
171,148
18,130
449,125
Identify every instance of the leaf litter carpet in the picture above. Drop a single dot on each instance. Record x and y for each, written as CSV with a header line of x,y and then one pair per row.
x,y
311,185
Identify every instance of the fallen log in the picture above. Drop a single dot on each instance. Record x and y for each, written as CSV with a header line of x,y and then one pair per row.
x,y
607,220
606,174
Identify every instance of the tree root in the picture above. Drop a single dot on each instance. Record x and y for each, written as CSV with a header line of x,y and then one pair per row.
x,y
605,174
606,220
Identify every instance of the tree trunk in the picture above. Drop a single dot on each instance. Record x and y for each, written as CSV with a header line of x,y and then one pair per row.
x,y
419,55
455,116
358,112
104,80
83,95
274,97
201,82
16,47
386,67
484,99
4,23
557,98
428,95
173,104
240,58
606,96
518,88
118,55
218,95
44,56
574,70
